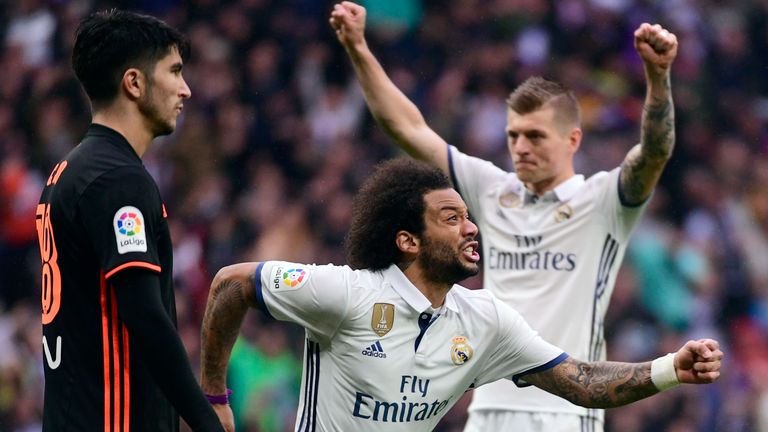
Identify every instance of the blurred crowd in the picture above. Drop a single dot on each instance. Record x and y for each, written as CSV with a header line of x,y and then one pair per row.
x,y
276,139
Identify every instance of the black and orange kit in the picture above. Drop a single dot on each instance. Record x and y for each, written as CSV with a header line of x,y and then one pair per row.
x,y
113,361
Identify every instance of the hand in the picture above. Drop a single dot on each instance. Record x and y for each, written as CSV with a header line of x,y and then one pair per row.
x,y
656,46
698,362
348,19
225,416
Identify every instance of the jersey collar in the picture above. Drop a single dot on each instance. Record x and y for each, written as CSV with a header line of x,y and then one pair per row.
x,y
563,192
411,294
114,137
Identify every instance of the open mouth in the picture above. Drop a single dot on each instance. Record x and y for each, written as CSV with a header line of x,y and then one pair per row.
x,y
470,251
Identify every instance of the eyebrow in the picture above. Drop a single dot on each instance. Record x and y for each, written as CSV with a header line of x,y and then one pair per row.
x,y
453,208
525,131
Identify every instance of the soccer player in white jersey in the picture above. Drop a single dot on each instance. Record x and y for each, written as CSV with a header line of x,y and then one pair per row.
x,y
553,240
391,342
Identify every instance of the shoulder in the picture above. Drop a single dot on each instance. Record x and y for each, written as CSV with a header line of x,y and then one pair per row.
x,y
604,177
480,302
130,180
320,275
462,163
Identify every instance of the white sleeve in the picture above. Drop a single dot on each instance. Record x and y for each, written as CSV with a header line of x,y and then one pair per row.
x,y
313,296
519,350
621,218
471,177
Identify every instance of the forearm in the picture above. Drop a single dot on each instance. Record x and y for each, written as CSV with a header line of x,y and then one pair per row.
x,y
389,106
597,384
160,348
224,314
658,121
645,162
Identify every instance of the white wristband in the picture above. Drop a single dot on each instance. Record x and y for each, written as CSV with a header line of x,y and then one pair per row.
x,y
663,373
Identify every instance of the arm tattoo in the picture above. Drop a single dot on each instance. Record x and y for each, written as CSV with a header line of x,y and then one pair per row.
x,y
221,324
642,167
596,384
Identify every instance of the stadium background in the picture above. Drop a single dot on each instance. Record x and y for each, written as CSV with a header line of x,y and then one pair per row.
x,y
276,139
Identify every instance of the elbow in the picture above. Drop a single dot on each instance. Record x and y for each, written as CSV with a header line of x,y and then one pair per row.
x,y
236,276
220,280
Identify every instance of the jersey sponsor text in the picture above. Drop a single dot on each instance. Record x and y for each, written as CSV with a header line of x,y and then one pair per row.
x,y
403,411
536,260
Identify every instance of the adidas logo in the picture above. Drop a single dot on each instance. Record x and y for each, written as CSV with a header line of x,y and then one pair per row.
x,y
375,350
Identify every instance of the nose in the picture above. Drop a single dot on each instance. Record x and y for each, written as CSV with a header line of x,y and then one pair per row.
x,y
185,92
521,146
469,229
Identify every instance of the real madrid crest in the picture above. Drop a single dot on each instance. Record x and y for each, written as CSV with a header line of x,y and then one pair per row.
x,y
461,351
563,212
383,318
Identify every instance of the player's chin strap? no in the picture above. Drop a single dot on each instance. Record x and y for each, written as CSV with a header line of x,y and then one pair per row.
x,y
223,399
663,373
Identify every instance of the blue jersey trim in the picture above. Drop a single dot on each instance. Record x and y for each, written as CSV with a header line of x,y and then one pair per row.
x,y
425,320
259,293
308,422
548,365
452,172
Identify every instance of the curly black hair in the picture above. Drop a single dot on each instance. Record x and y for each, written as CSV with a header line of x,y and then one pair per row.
x,y
390,200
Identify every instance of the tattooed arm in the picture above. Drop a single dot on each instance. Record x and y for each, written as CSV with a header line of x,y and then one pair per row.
x,y
232,292
643,165
612,384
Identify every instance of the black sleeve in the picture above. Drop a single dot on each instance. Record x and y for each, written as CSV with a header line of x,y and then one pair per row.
x,y
141,309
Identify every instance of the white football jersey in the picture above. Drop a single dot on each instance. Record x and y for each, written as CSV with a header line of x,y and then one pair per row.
x,y
375,361
554,259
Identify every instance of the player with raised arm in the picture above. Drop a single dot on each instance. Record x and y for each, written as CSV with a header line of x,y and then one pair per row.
x,y
392,342
553,240
113,359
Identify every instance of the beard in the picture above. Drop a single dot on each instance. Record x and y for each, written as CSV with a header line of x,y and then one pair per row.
x,y
151,110
444,262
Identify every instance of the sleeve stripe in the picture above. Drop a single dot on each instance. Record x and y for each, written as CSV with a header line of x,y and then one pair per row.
x,y
452,171
146,265
548,365
259,292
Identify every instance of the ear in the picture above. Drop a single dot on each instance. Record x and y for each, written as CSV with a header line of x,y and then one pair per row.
x,y
407,242
133,83
574,139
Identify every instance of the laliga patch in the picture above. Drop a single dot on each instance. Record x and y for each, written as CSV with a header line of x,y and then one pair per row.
x,y
289,278
130,232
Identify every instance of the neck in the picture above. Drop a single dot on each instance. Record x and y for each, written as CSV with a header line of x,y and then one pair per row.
x,y
435,292
127,123
544,186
